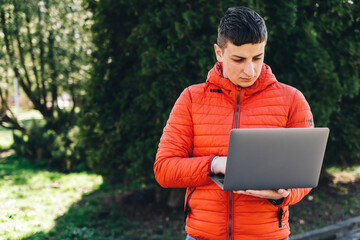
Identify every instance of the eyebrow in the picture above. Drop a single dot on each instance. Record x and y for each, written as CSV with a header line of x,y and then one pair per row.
x,y
244,57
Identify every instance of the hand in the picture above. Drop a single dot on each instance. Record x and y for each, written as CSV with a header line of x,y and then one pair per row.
x,y
268,194
219,165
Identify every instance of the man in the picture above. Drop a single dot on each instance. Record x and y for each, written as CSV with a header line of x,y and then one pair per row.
x,y
240,92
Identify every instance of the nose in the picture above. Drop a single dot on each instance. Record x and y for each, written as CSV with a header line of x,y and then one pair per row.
x,y
249,69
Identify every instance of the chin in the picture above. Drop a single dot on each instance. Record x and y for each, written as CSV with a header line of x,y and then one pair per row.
x,y
245,85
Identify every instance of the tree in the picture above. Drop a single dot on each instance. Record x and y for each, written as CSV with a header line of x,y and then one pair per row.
x,y
141,64
157,48
7,117
45,49
315,46
44,45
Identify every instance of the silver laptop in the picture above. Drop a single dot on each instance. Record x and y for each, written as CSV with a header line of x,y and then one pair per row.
x,y
273,158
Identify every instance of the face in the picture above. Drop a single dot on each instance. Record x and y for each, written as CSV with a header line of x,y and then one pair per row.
x,y
241,64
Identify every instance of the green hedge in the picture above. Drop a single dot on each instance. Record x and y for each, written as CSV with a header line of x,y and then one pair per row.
x,y
147,52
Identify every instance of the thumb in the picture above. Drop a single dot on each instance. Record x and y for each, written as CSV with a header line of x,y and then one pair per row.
x,y
283,192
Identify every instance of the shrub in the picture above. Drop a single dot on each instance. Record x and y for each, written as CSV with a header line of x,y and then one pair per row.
x,y
157,48
55,150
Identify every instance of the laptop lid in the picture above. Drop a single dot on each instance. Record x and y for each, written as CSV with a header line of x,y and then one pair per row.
x,y
275,158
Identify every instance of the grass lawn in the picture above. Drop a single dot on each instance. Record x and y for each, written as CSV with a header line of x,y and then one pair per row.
x,y
31,198
36,204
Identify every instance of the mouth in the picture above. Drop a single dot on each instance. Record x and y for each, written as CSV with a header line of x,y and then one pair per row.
x,y
246,79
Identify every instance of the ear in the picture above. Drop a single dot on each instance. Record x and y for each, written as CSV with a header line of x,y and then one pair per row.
x,y
218,53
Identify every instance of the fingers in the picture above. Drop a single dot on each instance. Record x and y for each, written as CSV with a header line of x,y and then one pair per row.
x,y
268,194
240,192
254,192
283,192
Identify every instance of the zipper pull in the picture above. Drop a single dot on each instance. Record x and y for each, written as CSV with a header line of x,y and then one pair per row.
x,y
280,216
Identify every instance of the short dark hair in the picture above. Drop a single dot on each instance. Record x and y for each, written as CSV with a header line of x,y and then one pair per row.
x,y
240,26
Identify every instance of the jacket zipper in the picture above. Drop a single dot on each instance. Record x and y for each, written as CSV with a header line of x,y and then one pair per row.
x,y
187,209
237,109
280,216
230,192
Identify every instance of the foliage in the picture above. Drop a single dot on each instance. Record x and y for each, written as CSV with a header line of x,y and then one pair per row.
x,y
315,46
157,48
55,150
140,66
345,125
44,46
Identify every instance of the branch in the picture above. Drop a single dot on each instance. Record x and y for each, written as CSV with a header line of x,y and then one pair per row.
x,y
5,119
72,91
27,17
53,70
10,53
21,52
42,53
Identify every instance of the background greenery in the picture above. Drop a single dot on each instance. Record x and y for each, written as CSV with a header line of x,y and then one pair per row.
x,y
45,47
157,48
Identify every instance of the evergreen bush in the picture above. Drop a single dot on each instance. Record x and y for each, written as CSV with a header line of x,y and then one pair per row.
x,y
147,52
58,150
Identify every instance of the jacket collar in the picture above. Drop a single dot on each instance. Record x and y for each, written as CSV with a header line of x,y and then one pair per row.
x,y
265,79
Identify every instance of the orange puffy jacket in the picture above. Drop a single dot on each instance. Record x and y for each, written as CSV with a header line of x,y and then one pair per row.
x,y
198,129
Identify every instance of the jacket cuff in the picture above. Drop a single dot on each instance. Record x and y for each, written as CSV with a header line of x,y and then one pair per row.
x,y
209,162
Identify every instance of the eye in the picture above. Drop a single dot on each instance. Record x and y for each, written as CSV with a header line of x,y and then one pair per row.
x,y
257,58
238,60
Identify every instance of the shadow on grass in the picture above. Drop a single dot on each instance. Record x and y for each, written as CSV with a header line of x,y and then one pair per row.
x,y
20,170
103,214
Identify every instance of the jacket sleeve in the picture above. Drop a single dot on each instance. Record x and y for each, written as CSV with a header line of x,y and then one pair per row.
x,y
300,116
174,165
295,196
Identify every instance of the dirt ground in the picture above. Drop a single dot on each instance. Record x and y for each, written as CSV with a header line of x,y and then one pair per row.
x,y
327,204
